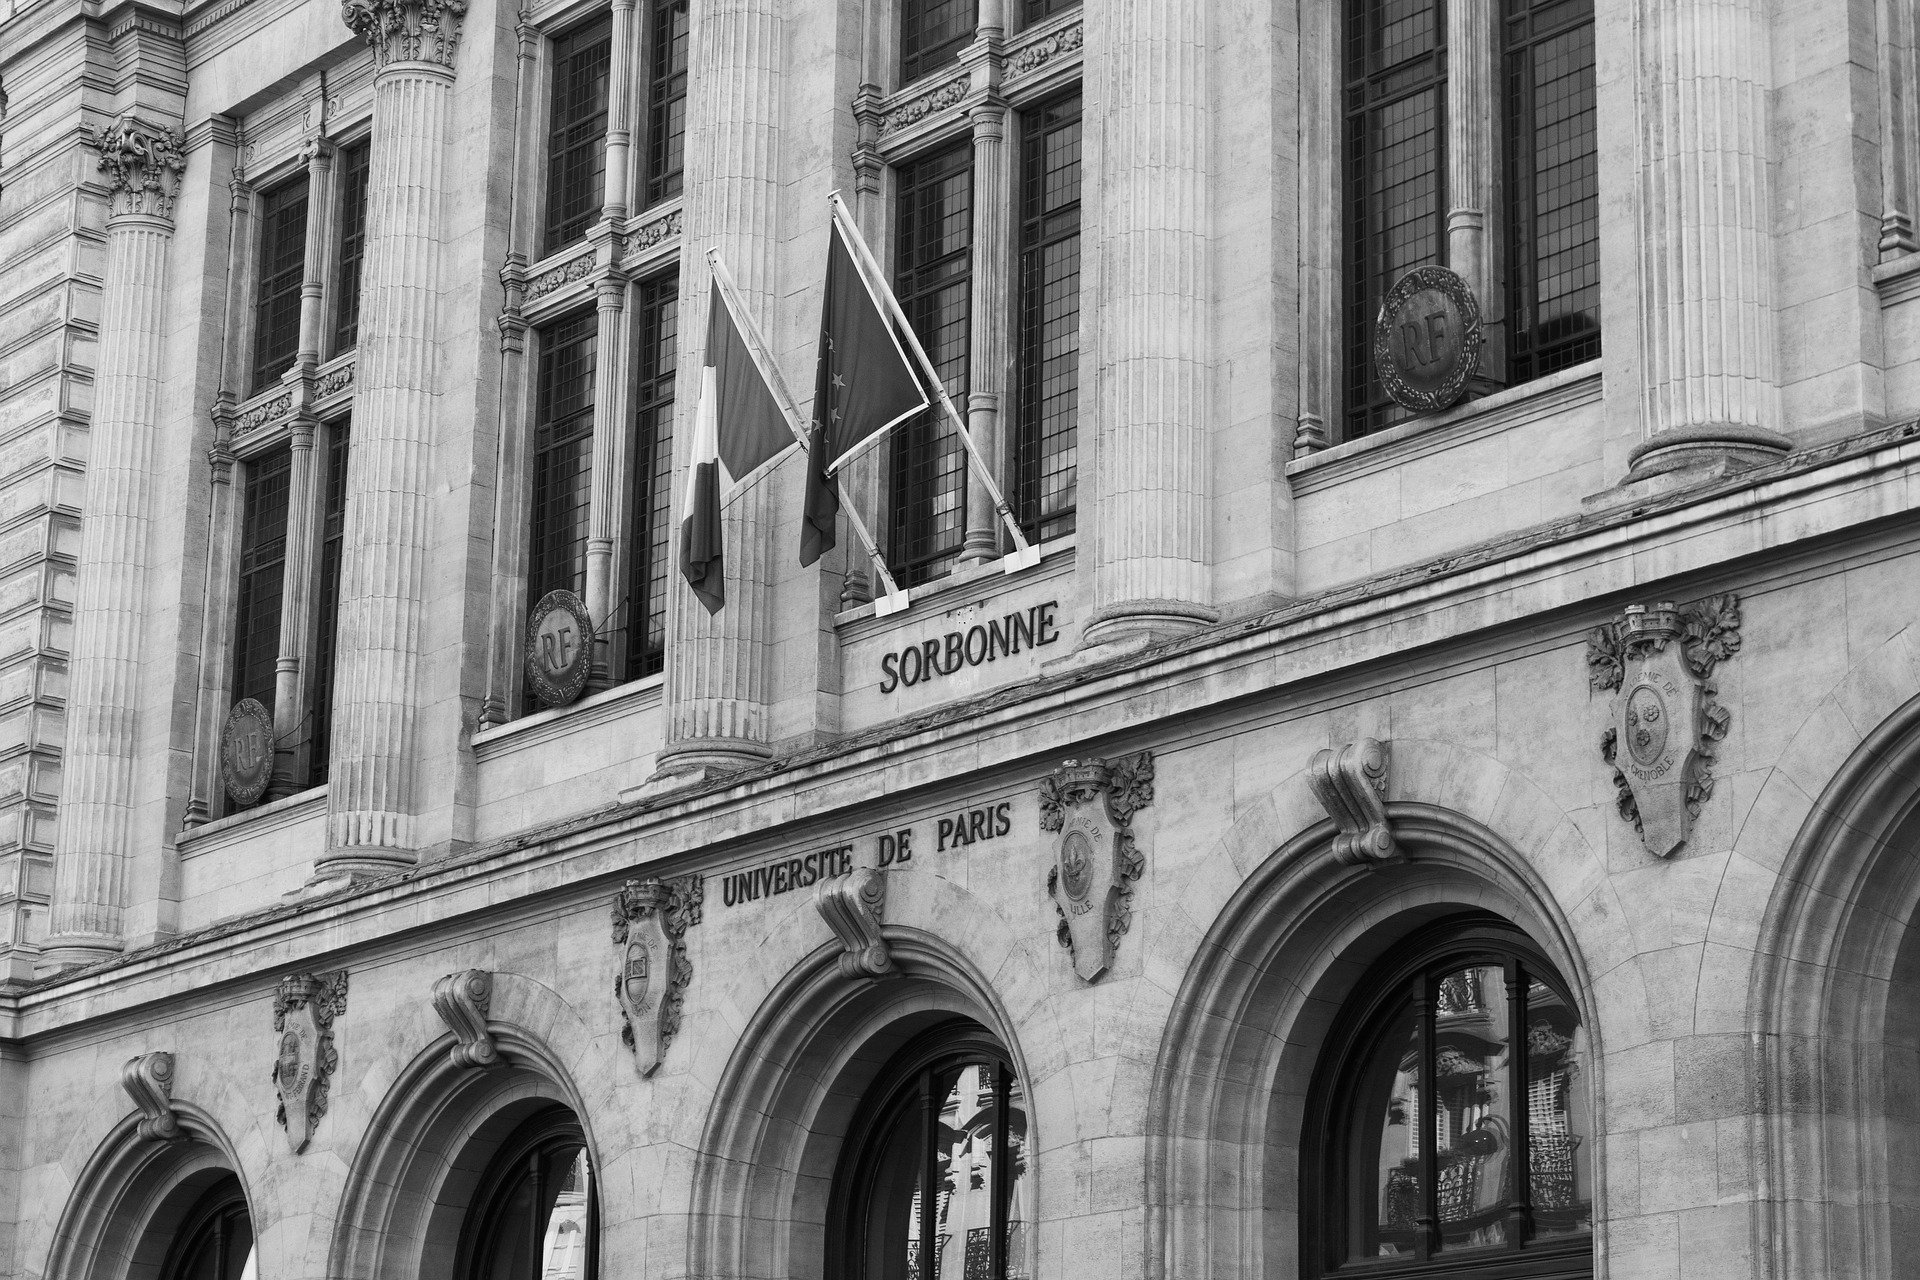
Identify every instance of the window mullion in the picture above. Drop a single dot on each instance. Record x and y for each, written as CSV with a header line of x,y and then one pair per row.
x,y
1519,1188
319,250
929,1175
1427,1239
1472,109
999,1174
988,361
291,713
620,82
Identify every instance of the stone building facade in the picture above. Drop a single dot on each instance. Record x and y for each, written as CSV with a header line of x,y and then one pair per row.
x,y
1474,841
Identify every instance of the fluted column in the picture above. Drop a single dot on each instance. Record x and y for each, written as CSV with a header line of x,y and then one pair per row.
x,y
370,805
987,360
1708,360
608,466
141,162
717,666
1471,104
1147,63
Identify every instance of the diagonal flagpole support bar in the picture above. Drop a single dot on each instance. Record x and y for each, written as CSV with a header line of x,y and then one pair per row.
x,y
893,600
1024,555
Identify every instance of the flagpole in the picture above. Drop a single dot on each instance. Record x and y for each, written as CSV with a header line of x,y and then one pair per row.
x,y
1024,555
894,598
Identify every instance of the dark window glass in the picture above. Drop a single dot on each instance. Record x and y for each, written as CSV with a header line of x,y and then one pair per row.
x,y
215,1240
933,32
537,1214
562,457
1395,166
1553,255
333,524
667,100
263,558
650,530
934,234
283,255
936,1183
1037,10
577,131
355,166
1049,371
1453,1119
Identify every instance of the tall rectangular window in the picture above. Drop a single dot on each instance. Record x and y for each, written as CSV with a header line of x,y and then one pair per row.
x,y
934,280
355,166
577,131
932,33
1049,354
1553,254
263,559
1033,11
562,457
1395,176
666,99
333,524
649,529
283,255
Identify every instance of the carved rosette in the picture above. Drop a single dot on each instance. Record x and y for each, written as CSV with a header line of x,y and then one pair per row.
x,y
462,1000
304,1009
142,162
1658,663
148,1080
650,923
1091,804
407,30
1350,782
853,907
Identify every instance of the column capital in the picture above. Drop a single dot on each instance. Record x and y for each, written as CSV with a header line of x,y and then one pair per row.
x,y
142,161
407,30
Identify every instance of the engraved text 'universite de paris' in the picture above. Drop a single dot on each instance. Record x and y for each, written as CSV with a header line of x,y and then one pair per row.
x,y
892,848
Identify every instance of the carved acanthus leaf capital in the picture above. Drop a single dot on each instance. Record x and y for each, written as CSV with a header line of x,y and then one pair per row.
x,y
142,162
148,1080
407,30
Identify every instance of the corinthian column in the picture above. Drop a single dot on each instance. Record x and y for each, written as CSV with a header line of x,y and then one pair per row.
x,y
1709,381
717,677
142,163
370,803
1147,65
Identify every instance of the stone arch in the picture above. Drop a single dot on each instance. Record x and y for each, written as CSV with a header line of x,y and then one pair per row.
x,y
118,1221
1834,1002
429,1141
1287,947
807,1052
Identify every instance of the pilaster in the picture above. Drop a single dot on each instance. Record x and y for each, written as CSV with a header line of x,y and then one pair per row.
x,y
988,360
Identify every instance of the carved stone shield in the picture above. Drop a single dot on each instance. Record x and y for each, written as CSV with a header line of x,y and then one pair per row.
x,y
559,648
1426,343
246,751
650,921
304,1009
1091,804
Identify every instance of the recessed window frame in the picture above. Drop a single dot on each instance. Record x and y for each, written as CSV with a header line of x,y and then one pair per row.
x,y
212,1221
519,1158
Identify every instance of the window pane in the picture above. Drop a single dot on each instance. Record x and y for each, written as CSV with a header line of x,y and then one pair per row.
x,y
577,132
1045,449
892,1217
564,1251
934,231
963,1172
263,553
562,457
667,100
1558,1115
1039,10
650,531
1473,1121
1387,1136
933,32
1019,1194
355,167
276,310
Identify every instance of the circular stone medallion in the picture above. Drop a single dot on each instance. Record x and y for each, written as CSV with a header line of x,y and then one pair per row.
x,y
1426,343
1076,865
1646,725
246,751
559,648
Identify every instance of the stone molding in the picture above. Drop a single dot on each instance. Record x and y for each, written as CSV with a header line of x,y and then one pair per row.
x,y
462,1000
854,906
919,107
407,30
304,1008
1350,783
142,162
555,278
148,1080
650,923
1091,804
1048,48
655,233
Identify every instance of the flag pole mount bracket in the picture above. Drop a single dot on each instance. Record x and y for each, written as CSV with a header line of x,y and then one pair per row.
x,y
889,602
1025,558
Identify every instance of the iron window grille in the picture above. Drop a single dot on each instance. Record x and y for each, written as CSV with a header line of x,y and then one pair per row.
x,y
932,34
577,131
282,268
650,530
1048,376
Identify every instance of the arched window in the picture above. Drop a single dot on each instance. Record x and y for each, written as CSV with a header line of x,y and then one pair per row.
x,y
933,1184
537,1215
1449,1127
215,1240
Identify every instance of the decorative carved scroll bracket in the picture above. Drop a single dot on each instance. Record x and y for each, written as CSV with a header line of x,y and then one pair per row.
x,y
1350,782
650,923
1091,804
304,1009
1658,663
462,999
853,906
148,1080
